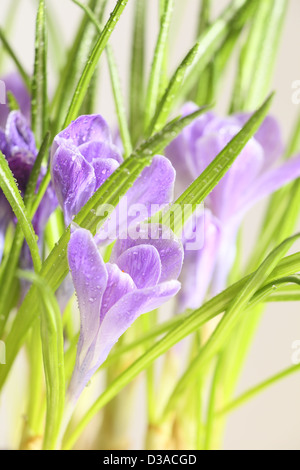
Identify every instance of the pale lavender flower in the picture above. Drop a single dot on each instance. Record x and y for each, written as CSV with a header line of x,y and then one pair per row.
x,y
254,175
199,264
141,277
84,156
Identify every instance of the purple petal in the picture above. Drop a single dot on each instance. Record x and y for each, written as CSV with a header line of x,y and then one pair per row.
x,y
163,239
21,165
73,179
154,186
19,135
226,195
86,129
121,316
119,284
104,167
143,265
100,150
4,147
269,136
182,151
90,277
270,182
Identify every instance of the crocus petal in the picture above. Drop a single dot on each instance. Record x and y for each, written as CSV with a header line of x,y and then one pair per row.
x,y
73,179
95,150
86,129
271,182
166,243
155,186
103,167
90,277
243,172
143,265
21,164
4,147
119,284
269,136
121,316
18,134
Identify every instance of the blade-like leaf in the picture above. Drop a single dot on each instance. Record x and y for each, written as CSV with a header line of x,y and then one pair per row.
x,y
200,54
137,65
157,63
53,357
39,103
248,395
92,62
9,188
69,76
259,54
116,85
15,59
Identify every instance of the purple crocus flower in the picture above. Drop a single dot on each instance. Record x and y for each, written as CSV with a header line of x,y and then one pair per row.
x,y
15,84
17,143
141,277
84,156
254,175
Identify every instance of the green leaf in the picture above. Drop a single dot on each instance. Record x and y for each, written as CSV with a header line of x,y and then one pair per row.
x,y
204,184
136,91
259,54
12,102
154,84
69,76
230,319
92,62
53,356
15,59
200,55
248,395
12,194
116,85
119,102
8,22
39,103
